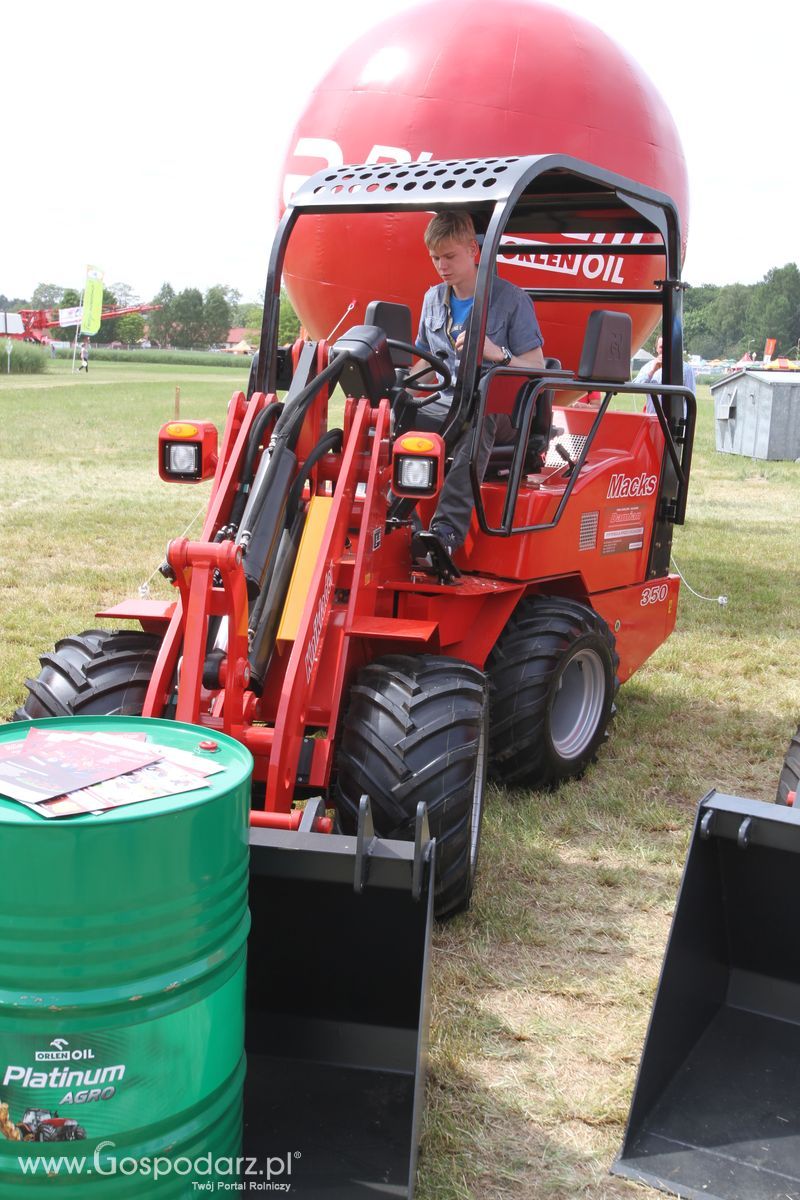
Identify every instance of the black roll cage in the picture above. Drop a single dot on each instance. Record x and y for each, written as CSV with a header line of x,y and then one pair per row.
x,y
546,194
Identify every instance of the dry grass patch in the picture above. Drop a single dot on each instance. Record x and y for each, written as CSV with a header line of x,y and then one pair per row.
x,y
542,992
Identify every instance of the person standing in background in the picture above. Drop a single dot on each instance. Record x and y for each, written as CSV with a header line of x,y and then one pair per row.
x,y
651,373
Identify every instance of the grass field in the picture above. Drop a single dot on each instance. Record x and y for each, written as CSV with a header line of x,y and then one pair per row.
x,y
542,991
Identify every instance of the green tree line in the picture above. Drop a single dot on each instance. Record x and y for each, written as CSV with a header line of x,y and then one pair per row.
x,y
731,320
188,318
720,321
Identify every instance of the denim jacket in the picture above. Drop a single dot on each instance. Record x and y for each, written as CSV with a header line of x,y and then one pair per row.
x,y
511,322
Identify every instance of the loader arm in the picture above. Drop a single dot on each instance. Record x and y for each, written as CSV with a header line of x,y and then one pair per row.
x,y
323,629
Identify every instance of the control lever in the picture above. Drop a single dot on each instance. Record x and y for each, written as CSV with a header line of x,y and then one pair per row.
x,y
571,463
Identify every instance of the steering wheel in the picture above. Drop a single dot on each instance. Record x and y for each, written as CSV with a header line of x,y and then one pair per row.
x,y
438,365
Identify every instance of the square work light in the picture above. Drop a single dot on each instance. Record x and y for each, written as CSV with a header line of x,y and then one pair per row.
x,y
418,464
187,451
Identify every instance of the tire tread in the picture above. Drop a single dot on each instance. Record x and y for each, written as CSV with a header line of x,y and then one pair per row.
x,y
98,671
412,731
521,669
790,773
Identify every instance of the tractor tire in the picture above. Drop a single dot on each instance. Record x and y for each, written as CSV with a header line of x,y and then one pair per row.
x,y
416,728
98,672
790,775
552,683
47,1133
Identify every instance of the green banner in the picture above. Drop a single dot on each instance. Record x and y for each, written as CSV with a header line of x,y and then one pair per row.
x,y
92,301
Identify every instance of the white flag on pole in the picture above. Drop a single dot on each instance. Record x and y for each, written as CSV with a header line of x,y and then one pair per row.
x,y
70,316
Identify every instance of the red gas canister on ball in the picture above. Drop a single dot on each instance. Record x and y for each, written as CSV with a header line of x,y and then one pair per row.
x,y
516,77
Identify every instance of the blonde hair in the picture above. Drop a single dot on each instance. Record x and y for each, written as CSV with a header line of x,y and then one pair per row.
x,y
456,225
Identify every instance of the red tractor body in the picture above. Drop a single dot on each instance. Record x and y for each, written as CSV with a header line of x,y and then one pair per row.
x,y
40,1125
591,524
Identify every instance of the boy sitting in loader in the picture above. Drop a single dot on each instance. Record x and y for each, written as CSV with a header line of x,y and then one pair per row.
x,y
513,339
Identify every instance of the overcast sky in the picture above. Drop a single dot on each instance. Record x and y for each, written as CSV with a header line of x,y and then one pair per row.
x,y
149,138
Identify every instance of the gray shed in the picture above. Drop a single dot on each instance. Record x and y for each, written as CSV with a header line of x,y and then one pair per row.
x,y
758,414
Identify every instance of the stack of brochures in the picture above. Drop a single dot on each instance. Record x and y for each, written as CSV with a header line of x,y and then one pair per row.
x,y
58,773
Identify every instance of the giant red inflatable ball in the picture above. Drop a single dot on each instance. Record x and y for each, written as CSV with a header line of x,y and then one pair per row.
x,y
467,80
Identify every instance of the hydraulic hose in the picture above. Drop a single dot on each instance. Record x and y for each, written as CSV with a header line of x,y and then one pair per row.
x,y
272,411
266,611
330,441
265,515
291,419
264,518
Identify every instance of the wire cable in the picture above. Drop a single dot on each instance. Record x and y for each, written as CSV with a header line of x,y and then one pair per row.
x,y
349,309
722,601
144,588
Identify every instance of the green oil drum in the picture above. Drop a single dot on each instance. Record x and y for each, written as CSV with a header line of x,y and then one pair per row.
x,y
122,979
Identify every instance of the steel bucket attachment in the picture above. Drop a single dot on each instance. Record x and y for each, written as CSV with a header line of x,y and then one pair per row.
x,y
337,1008
716,1108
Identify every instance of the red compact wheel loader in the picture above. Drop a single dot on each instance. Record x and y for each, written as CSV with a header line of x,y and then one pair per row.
x,y
383,690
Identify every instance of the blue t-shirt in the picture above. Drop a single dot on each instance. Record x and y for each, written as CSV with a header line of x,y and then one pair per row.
x,y
459,312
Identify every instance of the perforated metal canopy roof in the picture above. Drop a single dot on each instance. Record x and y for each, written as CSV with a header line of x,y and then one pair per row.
x,y
531,194
549,191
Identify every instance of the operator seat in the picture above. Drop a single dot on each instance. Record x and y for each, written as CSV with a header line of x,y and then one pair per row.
x,y
502,453
605,355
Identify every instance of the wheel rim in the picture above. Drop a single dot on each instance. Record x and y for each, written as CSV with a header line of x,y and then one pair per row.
x,y
477,799
578,704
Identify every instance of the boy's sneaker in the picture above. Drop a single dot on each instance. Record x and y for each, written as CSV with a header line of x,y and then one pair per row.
x,y
446,536
436,549
443,533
